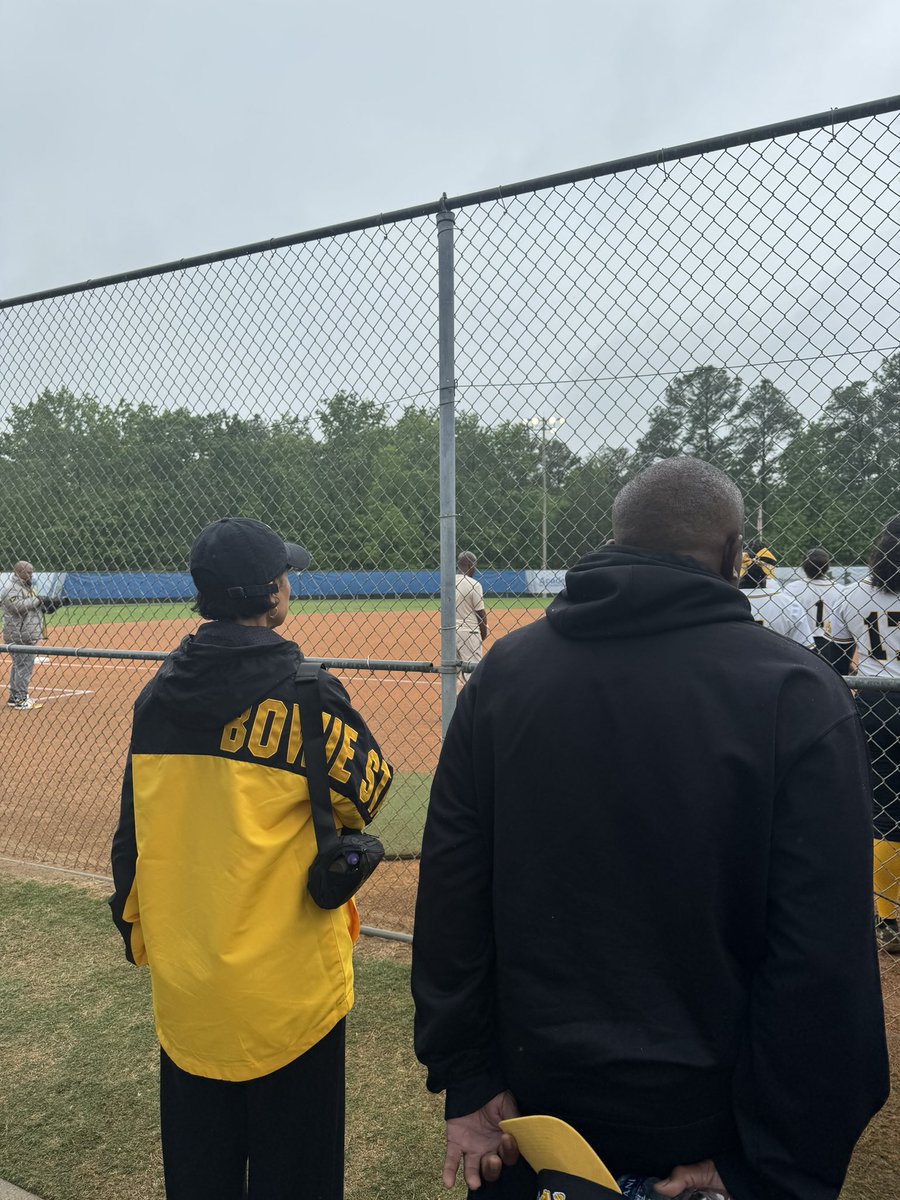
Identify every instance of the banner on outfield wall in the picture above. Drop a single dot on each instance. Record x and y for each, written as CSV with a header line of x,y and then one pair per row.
x,y
544,583
45,583
549,583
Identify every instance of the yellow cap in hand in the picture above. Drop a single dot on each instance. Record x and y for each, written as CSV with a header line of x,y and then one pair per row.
x,y
548,1144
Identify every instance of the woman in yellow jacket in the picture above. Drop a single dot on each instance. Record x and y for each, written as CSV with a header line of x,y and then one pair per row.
x,y
251,980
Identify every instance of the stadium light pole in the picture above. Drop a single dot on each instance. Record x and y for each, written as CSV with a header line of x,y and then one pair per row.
x,y
544,423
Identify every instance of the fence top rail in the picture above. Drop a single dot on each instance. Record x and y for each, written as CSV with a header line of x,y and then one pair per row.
x,y
744,137
338,664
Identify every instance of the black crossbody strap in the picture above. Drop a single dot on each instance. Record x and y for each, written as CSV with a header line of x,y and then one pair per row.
x,y
309,700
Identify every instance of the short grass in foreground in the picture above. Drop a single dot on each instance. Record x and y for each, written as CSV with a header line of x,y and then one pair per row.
x,y
401,821
78,1066
109,614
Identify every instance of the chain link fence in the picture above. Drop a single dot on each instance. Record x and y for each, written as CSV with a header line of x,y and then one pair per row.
x,y
735,299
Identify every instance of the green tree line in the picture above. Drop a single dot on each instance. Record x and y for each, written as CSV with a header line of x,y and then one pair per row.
x,y
113,487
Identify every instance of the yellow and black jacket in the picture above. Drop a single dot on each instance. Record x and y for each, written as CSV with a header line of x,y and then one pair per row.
x,y
214,843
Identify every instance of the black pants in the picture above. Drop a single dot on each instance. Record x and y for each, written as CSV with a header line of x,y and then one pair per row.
x,y
881,721
515,1183
280,1137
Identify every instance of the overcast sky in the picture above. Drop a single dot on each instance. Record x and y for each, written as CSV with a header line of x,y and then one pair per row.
x,y
134,134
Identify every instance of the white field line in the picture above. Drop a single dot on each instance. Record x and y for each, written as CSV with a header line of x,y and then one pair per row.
x,y
64,693
62,690
127,666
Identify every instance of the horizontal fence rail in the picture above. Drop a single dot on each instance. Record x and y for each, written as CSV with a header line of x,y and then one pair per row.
x,y
861,683
336,664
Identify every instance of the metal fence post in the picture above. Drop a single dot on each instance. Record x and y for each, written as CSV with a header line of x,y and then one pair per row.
x,y
447,444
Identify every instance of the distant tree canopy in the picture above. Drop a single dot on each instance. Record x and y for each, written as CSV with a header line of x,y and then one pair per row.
x,y
91,486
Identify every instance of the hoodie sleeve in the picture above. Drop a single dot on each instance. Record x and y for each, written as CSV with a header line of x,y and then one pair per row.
x,y
813,1067
453,947
124,900
360,774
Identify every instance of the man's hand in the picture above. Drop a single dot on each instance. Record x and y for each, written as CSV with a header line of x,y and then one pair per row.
x,y
701,1175
480,1143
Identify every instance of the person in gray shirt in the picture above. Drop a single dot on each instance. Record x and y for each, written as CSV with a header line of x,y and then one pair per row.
x,y
23,625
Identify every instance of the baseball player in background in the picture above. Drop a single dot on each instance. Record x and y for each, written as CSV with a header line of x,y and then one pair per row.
x,y
772,607
471,619
820,596
868,621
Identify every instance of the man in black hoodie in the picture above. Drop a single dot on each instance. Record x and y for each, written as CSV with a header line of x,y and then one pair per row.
x,y
645,898
251,980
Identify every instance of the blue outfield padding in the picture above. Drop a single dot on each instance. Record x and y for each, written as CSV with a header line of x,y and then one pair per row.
x,y
119,587
375,584
122,587
382,584
503,583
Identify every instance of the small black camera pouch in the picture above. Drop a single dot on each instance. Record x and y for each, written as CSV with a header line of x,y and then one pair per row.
x,y
346,860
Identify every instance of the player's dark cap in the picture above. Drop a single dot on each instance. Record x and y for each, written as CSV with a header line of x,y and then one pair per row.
x,y
239,558
573,1187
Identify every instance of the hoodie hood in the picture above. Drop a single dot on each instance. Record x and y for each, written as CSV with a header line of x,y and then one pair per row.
x,y
221,670
620,591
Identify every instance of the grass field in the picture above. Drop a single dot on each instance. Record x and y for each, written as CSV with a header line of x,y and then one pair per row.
x,y
400,823
78,1065
79,1061
102,614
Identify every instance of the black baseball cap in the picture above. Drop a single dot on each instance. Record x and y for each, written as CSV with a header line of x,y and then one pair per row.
x,y
238,558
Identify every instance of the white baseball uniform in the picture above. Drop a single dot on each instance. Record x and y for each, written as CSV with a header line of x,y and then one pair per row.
x,y
870,617
820,599
469,602
779,611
